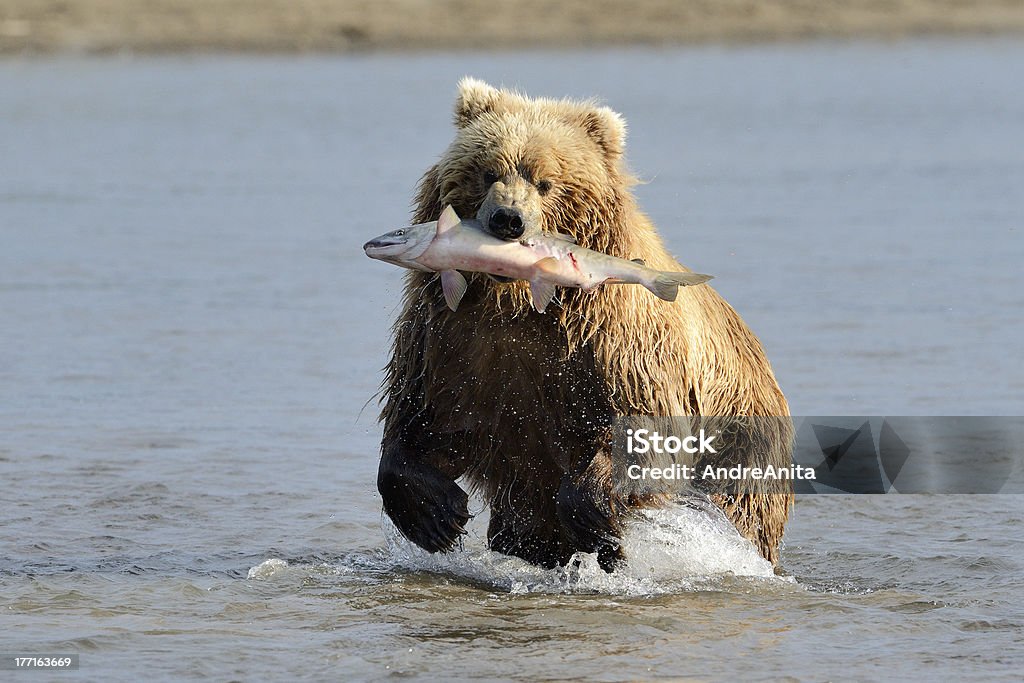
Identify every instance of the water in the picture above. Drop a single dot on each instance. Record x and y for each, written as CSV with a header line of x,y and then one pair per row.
x,y
190,335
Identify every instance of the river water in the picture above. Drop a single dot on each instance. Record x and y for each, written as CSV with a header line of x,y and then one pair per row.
x,y
191,340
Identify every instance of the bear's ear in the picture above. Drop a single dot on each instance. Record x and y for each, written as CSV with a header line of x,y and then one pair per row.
x,y
607,128
475,98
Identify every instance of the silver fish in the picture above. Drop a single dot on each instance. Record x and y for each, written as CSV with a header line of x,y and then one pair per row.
x,y
450,244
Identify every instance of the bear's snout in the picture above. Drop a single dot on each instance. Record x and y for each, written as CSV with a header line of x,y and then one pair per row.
x,y
512,209
506,223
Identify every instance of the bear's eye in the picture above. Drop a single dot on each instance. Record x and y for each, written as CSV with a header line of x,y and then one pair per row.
x,y
490,177
544,186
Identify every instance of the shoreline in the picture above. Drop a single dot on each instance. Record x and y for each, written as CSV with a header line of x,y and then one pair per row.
x,y
55,27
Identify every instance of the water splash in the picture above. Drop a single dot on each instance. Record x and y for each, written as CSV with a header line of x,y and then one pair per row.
x,y
268,569
685,547
690,546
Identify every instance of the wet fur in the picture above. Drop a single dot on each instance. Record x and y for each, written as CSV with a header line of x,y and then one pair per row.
x,y
519,403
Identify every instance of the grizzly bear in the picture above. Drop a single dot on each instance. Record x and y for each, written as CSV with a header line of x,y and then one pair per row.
x,y
519,403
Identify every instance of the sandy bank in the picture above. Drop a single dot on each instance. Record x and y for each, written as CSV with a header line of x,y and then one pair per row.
x,y
100,26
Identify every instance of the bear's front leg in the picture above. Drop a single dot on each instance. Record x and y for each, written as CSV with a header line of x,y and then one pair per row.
x,y
589,513
426,504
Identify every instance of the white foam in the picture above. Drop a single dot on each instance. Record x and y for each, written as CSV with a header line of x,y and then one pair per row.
x,y
268,569
680,548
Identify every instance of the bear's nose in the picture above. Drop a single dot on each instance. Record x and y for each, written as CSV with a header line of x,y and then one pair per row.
x,y
506,224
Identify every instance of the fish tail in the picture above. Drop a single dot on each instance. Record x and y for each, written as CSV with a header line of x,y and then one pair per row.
x,y
666,284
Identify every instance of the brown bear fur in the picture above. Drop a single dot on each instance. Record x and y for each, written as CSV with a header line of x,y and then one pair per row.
x,y
519,402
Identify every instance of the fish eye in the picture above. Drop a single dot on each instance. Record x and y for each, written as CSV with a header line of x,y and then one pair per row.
x,y
398,233
490,177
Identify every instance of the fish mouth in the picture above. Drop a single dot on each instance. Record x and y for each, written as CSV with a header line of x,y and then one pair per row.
x,y
383,243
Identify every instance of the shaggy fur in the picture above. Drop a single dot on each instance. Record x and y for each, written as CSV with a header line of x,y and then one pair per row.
x,y
519,403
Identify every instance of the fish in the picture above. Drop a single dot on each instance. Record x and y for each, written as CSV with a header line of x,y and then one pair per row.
x,y
451,244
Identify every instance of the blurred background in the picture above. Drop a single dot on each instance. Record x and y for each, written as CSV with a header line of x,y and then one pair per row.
x,y
340,25
191,338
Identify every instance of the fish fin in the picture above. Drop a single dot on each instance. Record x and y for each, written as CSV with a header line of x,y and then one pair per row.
x,y
564,236
448,220
548,264
640,261
541,291
453,284
666,285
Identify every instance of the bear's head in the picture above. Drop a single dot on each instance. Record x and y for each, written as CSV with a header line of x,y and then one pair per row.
x,y
524,166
